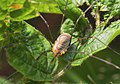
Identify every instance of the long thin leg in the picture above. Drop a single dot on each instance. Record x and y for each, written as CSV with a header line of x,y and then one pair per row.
x,y
91,79
67,67
8,77
85,38
84,13
48,28
107,62
108,46
42,53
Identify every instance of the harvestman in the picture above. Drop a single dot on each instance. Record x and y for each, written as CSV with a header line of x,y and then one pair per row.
x,y
63,42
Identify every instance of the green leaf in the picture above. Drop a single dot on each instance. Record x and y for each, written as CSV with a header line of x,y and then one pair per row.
x,y
4,81
1,23
27,45
1,41
71,10
27,10
70,54
81,2
31,15
48,7
113,7
2,36
3,14
67,26
101,39
4,4
17,4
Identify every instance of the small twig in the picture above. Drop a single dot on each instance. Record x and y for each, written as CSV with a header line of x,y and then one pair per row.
x,y
64,12
43,53
91,79
79,39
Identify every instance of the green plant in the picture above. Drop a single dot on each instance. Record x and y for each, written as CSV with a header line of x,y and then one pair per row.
x,y
24,44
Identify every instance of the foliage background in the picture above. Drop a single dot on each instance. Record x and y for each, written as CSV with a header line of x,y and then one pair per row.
x,y
22,43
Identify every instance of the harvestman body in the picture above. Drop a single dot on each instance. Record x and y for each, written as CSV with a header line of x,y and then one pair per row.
x,y
61,44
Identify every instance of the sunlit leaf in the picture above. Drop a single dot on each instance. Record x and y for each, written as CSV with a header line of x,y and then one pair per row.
x,y
113,7
67,26
48,7
80,2
21,14
2,36
16,6
4,4
101,39
31,15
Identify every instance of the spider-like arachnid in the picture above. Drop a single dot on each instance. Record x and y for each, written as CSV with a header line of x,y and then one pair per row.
x,y
76,45
78,40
